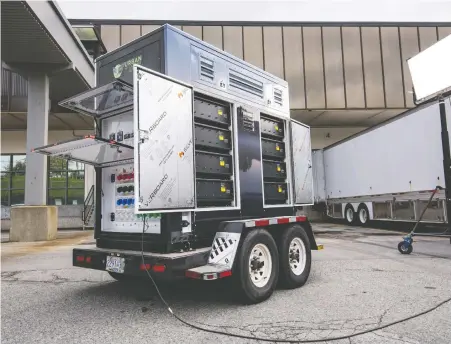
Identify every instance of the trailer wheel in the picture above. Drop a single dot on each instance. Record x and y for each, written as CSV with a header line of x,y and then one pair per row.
x,y
258,266
363,215
295,257
350,215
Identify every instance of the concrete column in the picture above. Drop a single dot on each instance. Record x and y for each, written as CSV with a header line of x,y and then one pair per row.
x,y
37,135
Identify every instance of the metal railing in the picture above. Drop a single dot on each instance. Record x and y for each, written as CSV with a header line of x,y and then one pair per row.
x,y
88,207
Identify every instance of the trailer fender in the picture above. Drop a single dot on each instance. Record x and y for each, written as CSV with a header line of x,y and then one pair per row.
x,y
222,253
224,247
308,229
228,239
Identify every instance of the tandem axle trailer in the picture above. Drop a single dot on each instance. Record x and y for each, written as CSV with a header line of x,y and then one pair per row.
x,y
200,170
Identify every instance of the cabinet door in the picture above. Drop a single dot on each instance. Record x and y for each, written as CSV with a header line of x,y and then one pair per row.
x,y
91,150
164,152
302,163
103,101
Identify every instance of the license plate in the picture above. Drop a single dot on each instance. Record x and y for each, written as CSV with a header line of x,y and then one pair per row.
x,y
115,264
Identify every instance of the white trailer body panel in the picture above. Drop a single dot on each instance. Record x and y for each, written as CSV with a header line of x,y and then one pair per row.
x,y
319,186
402,155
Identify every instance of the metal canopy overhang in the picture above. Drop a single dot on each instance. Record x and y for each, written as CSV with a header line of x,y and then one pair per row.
x,y
37,38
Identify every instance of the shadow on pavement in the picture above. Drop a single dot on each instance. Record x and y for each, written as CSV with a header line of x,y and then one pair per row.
x,y
211,292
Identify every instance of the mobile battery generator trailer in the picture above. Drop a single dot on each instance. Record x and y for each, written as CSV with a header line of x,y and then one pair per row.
x,y
199,168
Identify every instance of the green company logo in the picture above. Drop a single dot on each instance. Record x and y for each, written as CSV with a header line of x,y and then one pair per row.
x,y
127,65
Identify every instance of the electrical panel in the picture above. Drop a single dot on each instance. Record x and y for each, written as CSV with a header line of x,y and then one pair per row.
x,y
215,185
119,128
118,183
274,157
118,202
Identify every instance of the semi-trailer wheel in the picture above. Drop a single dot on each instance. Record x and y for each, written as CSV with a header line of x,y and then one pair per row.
x,y
363,215
295,257
350,215
257,267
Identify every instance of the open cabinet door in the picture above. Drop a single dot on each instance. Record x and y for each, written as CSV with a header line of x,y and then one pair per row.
x,y
91,150
103,101
302,163
164,152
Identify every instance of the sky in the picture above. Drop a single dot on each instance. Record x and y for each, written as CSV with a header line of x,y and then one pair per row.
x,y
343,11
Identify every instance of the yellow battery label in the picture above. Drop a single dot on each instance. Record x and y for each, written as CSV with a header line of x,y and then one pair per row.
x,y
277,148
223,189
221,138
278,168
222,163
280,189
220,112
277,127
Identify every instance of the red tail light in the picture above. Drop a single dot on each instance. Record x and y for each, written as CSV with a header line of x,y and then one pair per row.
x,y
225,274
80,259
159,268
192,274
88,259
144,267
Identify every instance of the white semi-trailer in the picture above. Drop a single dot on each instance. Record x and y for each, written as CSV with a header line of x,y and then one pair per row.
x,y
386,172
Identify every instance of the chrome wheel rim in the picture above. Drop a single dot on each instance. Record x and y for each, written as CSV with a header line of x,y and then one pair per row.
x,y
260,265
349,215
297,256
363,215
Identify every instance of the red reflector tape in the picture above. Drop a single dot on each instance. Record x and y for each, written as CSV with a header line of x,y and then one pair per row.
x,y
225,274
283,220
159,268
259,223
80,258
301,218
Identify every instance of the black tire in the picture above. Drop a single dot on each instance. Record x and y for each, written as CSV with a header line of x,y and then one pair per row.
x,y
362,208
249,293
288,278
405,248
348,209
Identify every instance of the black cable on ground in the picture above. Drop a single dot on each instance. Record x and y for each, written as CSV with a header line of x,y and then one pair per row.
x,y
196,327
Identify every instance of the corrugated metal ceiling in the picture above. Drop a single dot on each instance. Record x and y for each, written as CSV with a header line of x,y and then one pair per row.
x,y
23,38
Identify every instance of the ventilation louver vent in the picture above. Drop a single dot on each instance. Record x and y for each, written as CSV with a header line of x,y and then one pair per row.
x,y
245,83
278,97
207,68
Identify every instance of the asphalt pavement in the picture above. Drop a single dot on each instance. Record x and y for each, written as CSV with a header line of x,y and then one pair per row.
x,y
359,281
